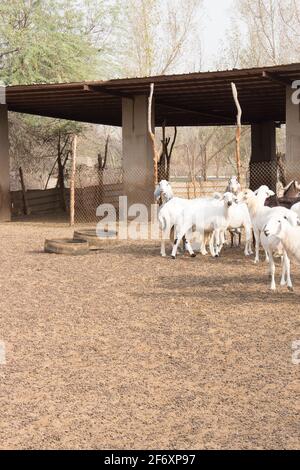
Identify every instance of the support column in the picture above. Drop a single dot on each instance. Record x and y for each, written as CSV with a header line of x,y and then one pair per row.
x,y
292,137
5,206
137,151
263,167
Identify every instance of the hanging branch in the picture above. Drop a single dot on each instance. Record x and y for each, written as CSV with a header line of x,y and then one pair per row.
x,y
169,152
238,130
152,136
102,161
166,154
72,181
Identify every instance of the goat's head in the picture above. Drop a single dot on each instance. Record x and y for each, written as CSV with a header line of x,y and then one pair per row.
x,y
275,227
246,195
234,185
264,191
229,199
163,190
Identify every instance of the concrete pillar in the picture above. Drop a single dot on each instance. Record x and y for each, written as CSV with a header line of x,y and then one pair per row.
x,y
263,168
5,207
137,152
292,137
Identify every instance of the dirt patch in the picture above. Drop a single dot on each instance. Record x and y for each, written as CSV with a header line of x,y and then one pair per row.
x,y
122,349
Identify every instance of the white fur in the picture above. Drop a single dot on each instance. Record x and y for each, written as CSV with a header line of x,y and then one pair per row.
x,y
287,234
234,186
273,245
260,214
208,216
170,213
296,208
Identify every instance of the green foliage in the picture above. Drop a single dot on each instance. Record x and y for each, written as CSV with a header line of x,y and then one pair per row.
x,y
54,40
47,41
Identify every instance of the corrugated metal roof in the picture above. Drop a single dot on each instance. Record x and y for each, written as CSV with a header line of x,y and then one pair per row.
x,y
203,98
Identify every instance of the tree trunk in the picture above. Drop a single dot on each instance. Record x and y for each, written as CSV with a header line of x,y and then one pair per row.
x,y
61,177
72,182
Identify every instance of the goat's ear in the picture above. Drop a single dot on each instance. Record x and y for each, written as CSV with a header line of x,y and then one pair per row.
x,y
271,193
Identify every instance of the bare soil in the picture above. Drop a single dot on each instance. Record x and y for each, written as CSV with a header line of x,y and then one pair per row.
x,y
121,349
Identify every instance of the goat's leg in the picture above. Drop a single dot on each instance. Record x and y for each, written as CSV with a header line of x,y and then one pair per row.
x,y
163,248
248,247
286,272
223,237
165,235
272,271
212,245
203,249
217,242
180,234
232,238
257,243
221,241
189,248
267,256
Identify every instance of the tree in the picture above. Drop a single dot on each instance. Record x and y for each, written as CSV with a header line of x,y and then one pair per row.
x,y
158,36
262,32
51,41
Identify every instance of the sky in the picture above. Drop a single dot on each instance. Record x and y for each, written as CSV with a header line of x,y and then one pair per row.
x,y
216,22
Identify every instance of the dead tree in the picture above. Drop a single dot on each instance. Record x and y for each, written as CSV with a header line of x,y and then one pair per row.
x,y
164,163
238,130
155,153
102,161
26,209
281,169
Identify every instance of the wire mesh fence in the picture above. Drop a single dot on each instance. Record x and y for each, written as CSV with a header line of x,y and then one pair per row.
x,y
95,186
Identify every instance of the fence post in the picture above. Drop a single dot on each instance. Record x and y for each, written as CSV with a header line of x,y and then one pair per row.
x,y
25,201
72,181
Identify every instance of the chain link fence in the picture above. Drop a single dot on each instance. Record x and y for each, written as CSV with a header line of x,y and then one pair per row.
x,y
95,186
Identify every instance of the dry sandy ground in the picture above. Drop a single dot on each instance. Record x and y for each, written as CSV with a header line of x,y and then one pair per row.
x,y
122,349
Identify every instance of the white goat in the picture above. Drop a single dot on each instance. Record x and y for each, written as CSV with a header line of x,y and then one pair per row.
x,y
296,208
208,216
289,236
240,218
260,214
234,186
163,192
273,245
169,211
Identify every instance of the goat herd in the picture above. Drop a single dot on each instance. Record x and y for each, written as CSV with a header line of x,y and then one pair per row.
x,y
276,229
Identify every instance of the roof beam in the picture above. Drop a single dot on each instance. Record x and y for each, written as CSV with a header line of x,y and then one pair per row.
x,y
274,77
194,111
105,91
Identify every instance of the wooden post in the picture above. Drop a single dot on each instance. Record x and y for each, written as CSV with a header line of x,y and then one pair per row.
x,y
25,202
238,130
72,181
152,136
